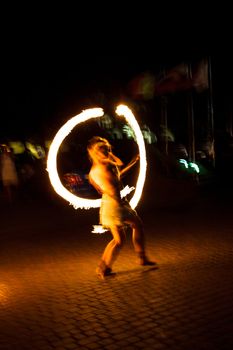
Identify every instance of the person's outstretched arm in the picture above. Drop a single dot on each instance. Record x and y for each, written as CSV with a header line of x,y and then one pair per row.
x,y
129,166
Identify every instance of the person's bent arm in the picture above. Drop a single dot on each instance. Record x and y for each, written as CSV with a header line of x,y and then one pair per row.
x,y
116,161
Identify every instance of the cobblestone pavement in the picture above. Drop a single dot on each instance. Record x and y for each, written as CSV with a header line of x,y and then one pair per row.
x,y
51,298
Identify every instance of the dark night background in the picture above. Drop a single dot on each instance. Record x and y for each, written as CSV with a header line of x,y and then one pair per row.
x,y
52,62
41,94
43,88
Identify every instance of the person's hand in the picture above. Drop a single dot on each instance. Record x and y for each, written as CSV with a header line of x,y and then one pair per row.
x,y
137,157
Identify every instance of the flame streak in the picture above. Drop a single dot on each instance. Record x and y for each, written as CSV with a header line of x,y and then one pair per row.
x,y
127,113
87,114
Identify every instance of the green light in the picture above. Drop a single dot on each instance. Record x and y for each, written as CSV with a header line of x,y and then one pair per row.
x,y
195,166
183,161
189,165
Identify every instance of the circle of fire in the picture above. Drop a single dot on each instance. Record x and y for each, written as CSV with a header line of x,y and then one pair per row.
x,y
87,114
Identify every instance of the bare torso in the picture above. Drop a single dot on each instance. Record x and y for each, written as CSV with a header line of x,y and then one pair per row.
x,y
106,179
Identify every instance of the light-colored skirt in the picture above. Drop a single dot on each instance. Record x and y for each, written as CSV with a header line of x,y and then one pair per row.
x,y
114,212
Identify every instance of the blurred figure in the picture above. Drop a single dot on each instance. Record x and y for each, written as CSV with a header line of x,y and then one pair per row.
x,y
115,213
8,173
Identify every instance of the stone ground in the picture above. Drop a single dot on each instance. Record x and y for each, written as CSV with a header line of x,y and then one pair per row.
x,y
51,298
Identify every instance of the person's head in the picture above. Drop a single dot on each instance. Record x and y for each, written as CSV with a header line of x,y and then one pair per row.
x,y
98,148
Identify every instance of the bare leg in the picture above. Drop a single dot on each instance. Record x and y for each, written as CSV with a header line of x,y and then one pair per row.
x,y
137,234
112,250
139,240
